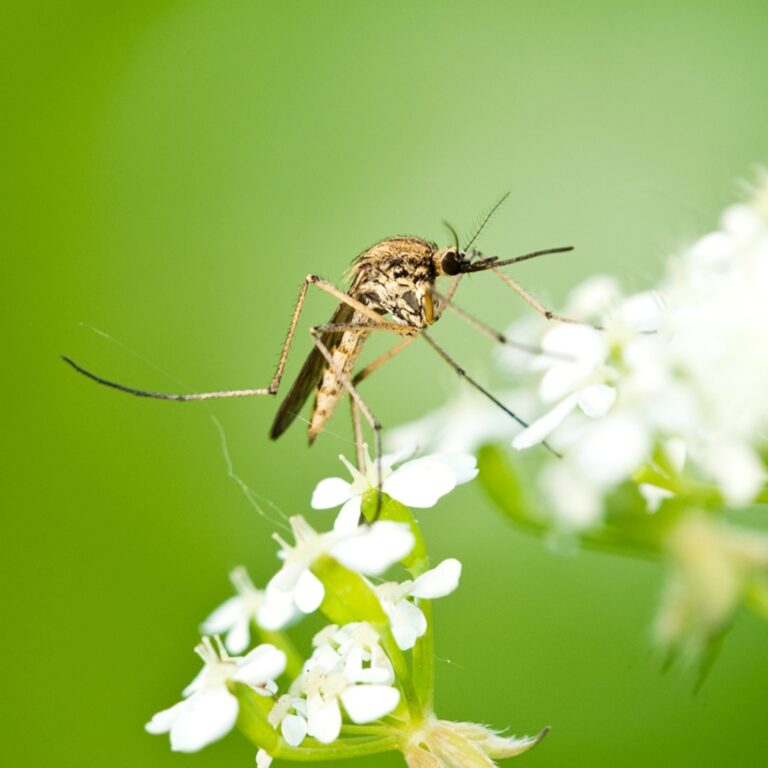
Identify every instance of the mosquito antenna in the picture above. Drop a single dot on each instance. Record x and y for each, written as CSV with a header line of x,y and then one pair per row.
x,y
455,235
485,221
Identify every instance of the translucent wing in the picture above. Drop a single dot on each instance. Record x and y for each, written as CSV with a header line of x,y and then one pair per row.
x,y
309,375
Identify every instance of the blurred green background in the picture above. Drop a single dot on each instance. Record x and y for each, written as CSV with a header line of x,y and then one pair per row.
x,y
172,171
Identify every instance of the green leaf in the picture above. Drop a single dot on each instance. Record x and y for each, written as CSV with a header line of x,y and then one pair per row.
x,y
348,596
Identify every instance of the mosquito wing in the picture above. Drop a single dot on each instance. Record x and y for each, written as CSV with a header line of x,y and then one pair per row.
x,y
309,375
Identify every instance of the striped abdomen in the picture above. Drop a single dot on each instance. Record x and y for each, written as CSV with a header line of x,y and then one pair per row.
x,y
331,389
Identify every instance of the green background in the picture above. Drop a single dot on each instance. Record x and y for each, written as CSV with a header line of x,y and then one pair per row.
x,y
173,170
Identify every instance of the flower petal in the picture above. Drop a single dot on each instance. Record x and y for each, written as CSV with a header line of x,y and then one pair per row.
x,y
540,429
224,617
196,684
375,548
263,663
294,729
239,637
309,592
349,517
164,720
210,714
285,580
464,465
331,492
366,703
420,483
263,759
323,719
597,399
405,636
408,623
438,582
613,447
276,611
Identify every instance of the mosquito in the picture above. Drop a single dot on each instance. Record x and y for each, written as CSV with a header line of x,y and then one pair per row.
x,y
393,289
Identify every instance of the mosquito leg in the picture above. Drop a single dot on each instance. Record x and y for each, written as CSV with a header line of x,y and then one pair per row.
x,y
452,290
497,336
358,432
456,367
364,373
373,422
165,395
361,376
272,389
538,306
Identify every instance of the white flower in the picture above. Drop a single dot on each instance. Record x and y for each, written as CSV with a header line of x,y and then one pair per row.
x,y
263,760
234,616
418,483
578,369
290,715
406,619
462,426
367,549
208,710
348,667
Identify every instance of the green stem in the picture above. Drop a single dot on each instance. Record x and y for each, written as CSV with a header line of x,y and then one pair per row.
x,y
338,750
368,730
424,661
423,658
403,675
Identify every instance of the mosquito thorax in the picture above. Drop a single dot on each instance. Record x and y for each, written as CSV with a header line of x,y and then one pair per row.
x,y
396,276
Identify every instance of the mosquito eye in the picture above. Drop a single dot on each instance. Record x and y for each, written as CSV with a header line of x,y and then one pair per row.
x,y
451,264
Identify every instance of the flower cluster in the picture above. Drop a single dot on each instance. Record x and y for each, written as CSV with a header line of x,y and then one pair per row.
x,y
356,694
657,403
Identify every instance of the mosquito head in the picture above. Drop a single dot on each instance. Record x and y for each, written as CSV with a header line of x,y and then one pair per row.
x,y
450,261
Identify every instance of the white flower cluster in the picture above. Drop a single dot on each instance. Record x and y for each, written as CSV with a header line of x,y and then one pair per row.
x,y
348,667
676,381
348,671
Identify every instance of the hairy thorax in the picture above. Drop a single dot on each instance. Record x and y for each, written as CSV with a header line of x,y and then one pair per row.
x,y
396,276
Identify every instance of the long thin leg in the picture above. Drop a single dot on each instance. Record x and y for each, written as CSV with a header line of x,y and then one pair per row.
x,y
492,333
537,305
456,367
452,290
373,422
272,389
363,374
357,430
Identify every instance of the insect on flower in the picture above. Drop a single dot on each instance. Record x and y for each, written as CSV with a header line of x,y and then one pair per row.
x,y
392,289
